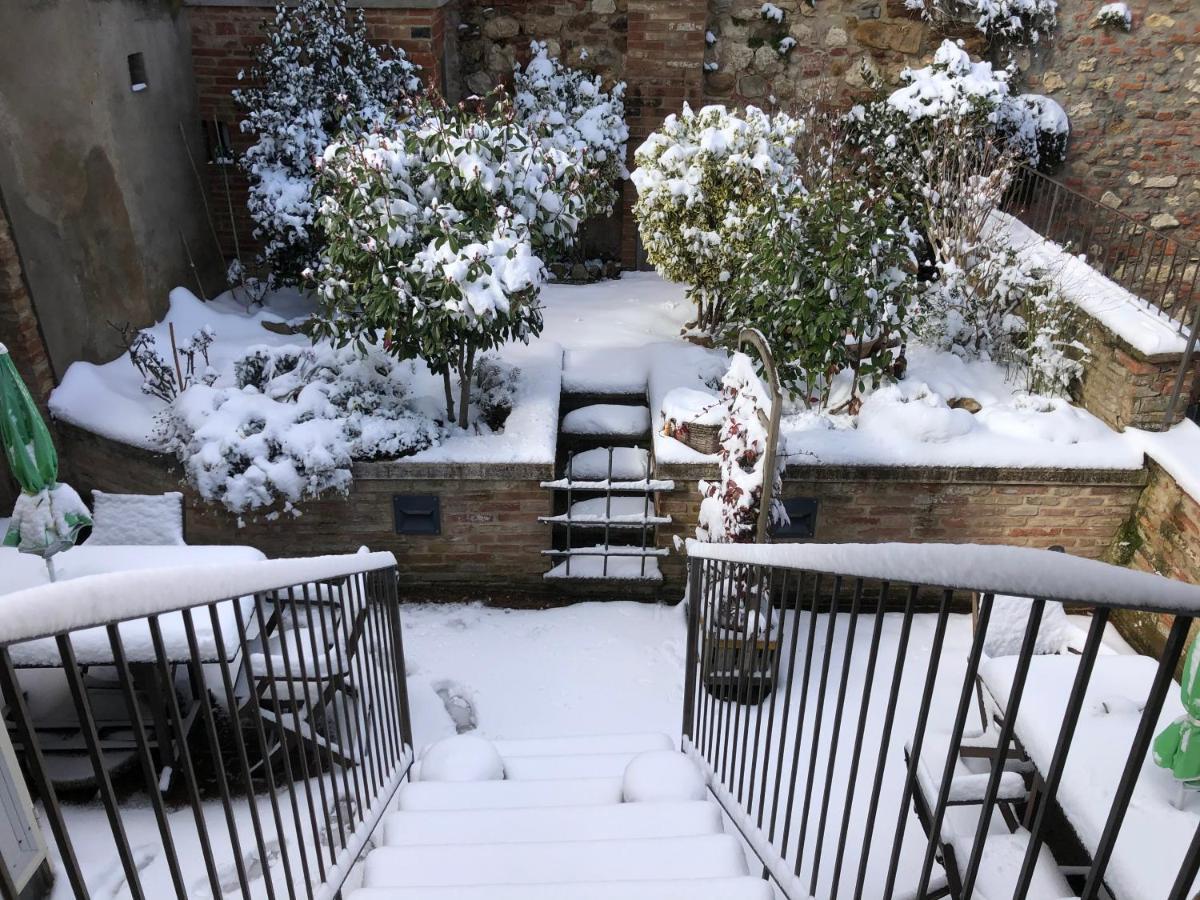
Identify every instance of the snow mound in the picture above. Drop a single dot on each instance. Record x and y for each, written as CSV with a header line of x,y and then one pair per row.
x,y
461,758
683,404
662,776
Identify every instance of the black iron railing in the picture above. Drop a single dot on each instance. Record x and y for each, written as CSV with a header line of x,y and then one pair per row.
x,y
243,728
848,716
1154,266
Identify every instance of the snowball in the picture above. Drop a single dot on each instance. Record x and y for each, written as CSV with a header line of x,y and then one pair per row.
x,y
662,776
463,757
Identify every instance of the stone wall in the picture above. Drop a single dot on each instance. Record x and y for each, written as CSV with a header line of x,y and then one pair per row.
x,y
1134,103
224,35
1080,509
1161,535
95,175
1129,389
489,547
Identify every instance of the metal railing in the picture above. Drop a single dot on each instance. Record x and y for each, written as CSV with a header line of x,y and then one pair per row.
x,y
1160,269
836,720
1156,267
242,728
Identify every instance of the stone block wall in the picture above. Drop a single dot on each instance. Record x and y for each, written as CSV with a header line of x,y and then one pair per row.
x,y
1129,389
224,37
1081,509
489,547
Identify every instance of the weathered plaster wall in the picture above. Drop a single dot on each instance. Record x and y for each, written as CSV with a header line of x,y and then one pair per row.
x,y
96,176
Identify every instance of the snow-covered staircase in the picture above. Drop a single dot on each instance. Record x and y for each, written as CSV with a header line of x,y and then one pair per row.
x,y
604,521
556,828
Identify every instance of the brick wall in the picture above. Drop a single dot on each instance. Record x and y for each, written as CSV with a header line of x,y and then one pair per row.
x,y
1127,388
224,39
489,547
1081,509
1161,535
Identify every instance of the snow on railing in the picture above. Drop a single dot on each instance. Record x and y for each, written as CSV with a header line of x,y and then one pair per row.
x,y
79,603
1017,571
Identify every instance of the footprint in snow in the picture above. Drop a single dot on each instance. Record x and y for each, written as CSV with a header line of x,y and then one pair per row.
x,y
458,706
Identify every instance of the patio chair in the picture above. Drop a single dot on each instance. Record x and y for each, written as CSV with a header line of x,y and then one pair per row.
x,y
310,703
137,520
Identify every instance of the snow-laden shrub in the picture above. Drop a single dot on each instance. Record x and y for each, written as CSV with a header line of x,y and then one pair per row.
x,y
975,96
731,504
1036,129
1004,22
1113,15
985,301
434,231
830,271
570,109
163,378
1008,311
697,177
293,424
315,75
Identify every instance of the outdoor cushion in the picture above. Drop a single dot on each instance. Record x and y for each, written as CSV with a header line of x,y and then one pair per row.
x,y
136,519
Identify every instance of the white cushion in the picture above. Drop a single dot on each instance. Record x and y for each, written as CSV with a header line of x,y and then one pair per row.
x,y
136,519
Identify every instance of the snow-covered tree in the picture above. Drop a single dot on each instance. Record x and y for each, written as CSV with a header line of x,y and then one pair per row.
x,y
315,75
971,94
730,508
697,177
569,109
830,270
432,233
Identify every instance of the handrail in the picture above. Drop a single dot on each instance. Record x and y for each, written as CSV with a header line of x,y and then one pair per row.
x,y
995,569
97,600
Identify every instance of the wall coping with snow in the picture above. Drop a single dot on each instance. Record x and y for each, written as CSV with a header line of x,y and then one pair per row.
x,y
927,474
1014,571
354,4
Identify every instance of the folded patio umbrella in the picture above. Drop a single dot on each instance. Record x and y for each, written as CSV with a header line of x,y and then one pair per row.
x,y
48,515
1178,747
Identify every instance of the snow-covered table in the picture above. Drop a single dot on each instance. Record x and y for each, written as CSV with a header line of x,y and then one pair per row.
x,y
1155,834
48,697
22,571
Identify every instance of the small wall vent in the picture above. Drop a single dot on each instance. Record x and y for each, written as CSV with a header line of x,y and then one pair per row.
x,y
417,513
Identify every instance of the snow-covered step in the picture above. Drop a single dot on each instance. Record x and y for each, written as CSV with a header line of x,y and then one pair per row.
x,y
745,888
616,512
628,464
624,564
435,795
699,857
609,420
571,765
566,823
587,743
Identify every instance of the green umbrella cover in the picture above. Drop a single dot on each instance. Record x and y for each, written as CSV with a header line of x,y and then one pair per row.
x,y
1178,747
48,515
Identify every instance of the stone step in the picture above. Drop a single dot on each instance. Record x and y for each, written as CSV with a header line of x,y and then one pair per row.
x,y
546,825
744,888
697,857
444,795
617,512
618,422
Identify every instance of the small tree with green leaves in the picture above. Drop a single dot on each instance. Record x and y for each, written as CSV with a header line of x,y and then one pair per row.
x,y
697,178
433,231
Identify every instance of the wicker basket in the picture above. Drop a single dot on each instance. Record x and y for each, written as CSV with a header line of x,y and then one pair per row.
x,y
702,438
